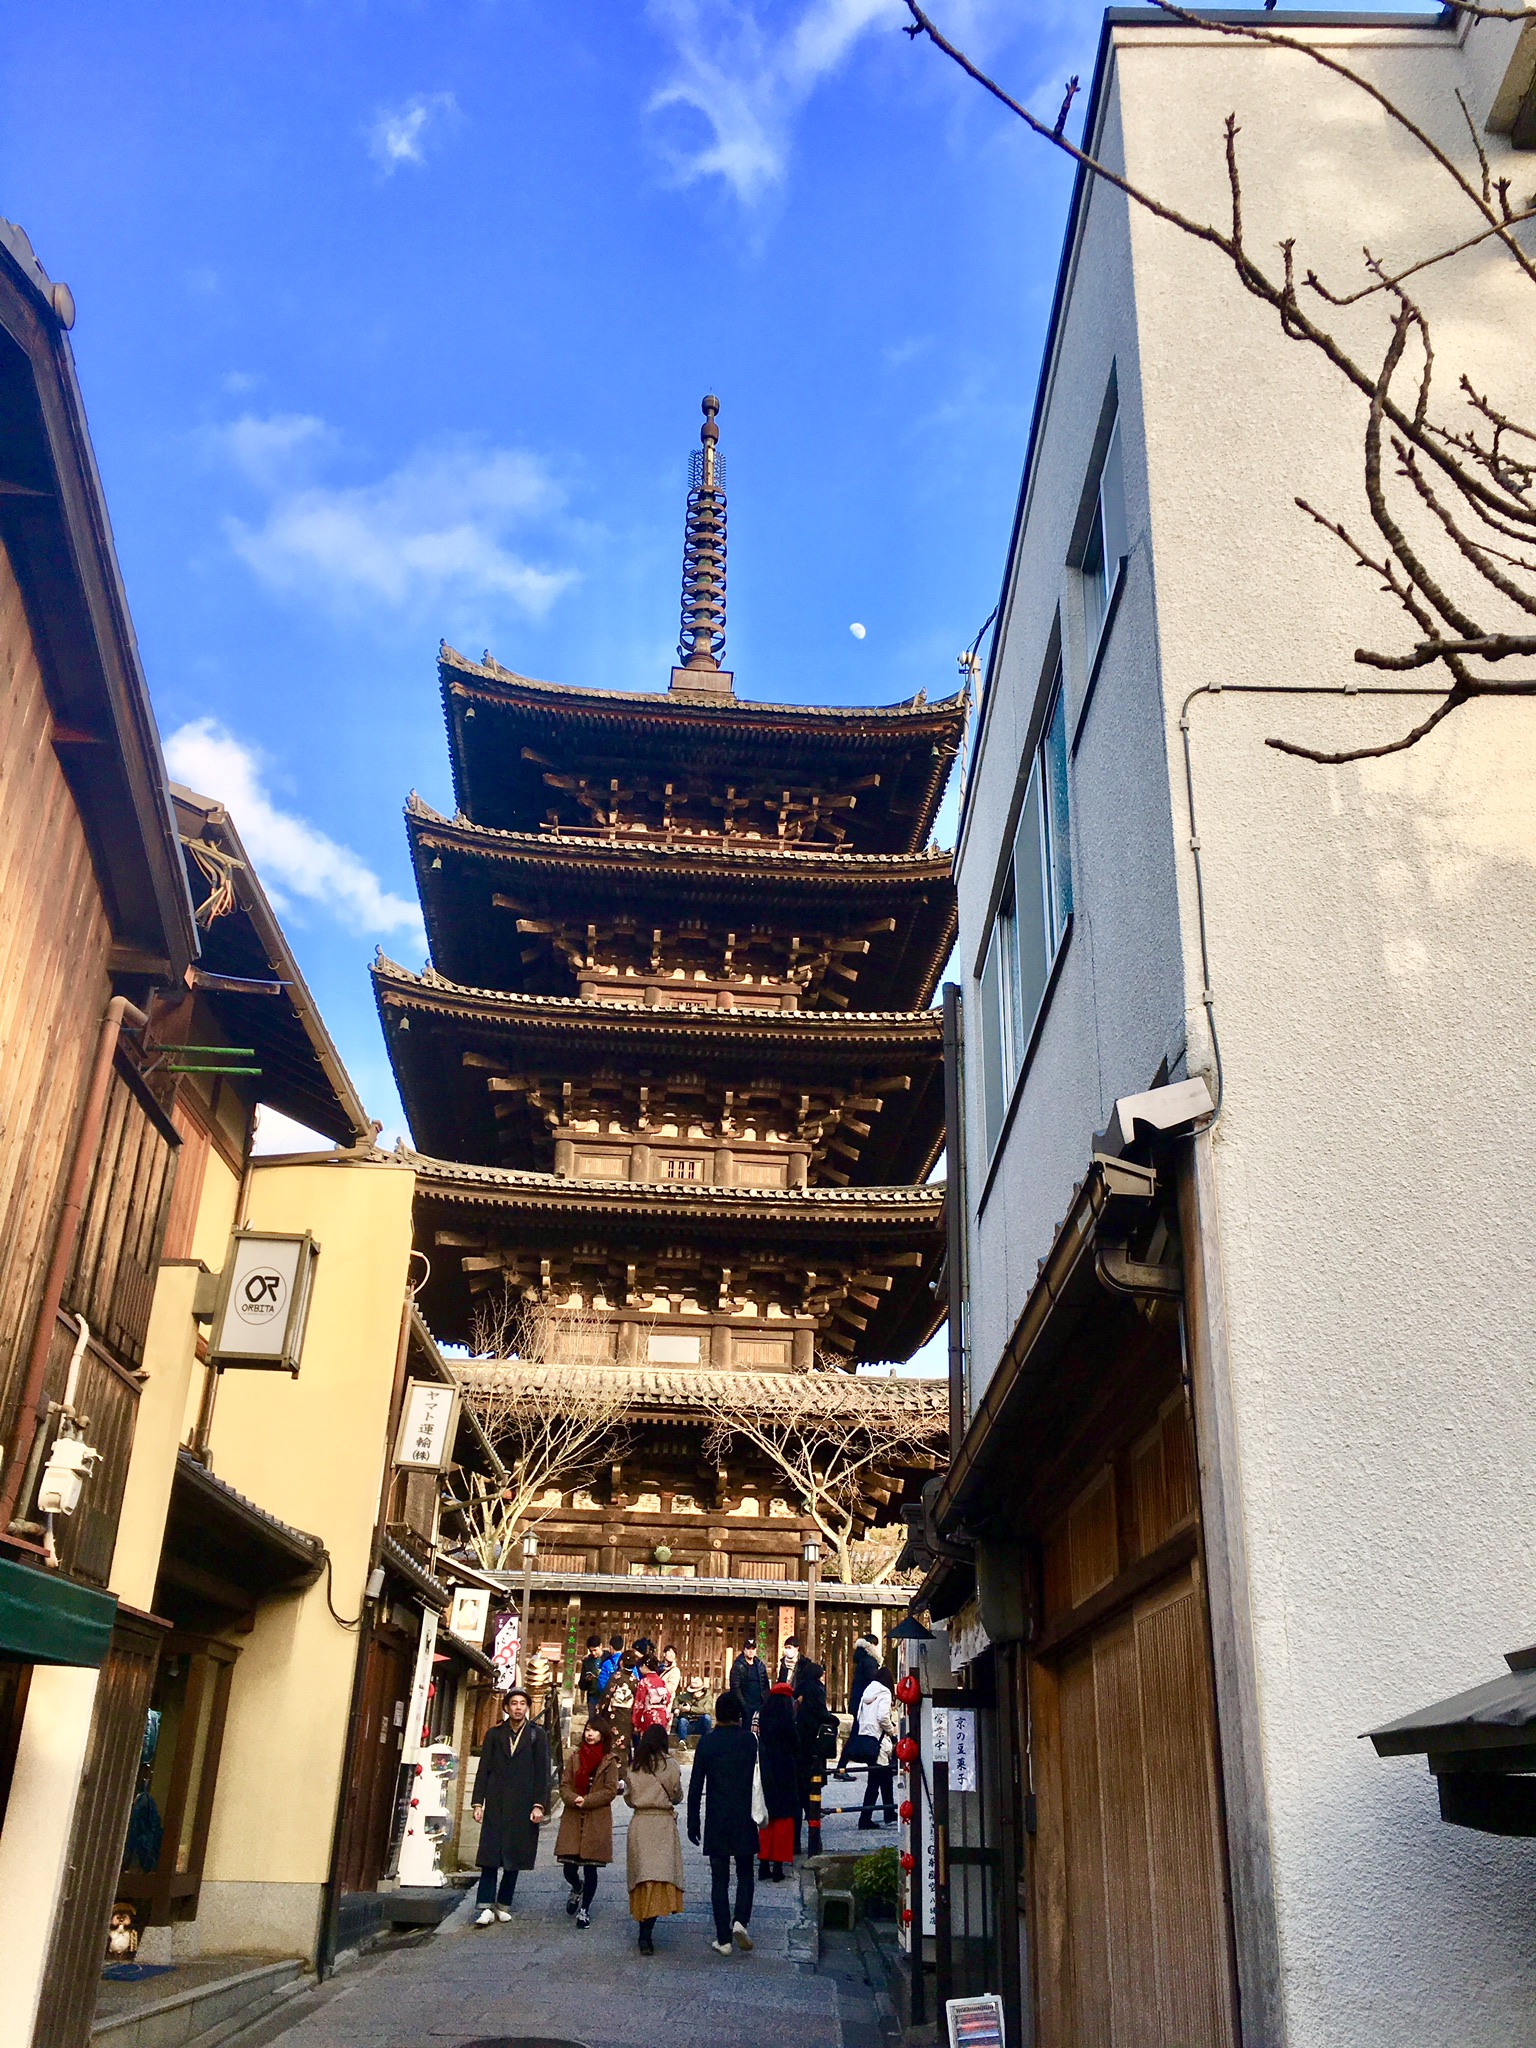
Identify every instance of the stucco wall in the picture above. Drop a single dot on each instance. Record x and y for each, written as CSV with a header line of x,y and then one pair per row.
x,y
1374,971
1372,953
311,1451
1118,1004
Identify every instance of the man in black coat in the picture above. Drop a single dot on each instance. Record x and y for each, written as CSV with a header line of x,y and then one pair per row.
x,y
814,1744
725,1763
511,1788
750,1680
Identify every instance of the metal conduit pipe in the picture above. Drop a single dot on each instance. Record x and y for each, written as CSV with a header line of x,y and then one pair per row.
x,y
33,1407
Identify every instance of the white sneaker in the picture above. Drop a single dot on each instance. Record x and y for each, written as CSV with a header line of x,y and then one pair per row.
x,y
503,1913
485,1917
721,1948
743,1939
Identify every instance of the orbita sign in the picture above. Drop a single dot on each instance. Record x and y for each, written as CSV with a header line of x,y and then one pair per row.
x,y
263,1301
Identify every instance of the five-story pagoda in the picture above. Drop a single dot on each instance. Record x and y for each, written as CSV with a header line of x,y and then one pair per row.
x,y
673,1065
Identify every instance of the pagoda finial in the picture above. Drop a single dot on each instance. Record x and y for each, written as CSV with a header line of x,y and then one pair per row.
x,y
703,638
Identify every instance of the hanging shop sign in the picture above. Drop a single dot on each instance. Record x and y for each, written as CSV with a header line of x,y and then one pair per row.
x,y
467,1618
262,1303
429,1422
506,1650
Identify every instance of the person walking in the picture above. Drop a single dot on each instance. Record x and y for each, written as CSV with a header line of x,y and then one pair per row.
x,y
724,1766
653,1703
653,1785
672,1678
610,1663
588,1788
815,1742
750,1680
866,1662
878,1730
511,1787
619,1699
778,1765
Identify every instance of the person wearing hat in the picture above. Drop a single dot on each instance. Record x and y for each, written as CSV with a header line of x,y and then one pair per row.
x,y
509,1800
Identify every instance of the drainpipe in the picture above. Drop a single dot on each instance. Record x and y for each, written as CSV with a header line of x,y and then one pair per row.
x,y
33,1405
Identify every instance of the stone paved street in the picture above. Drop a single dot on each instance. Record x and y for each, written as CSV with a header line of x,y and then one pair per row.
x,y
539,1976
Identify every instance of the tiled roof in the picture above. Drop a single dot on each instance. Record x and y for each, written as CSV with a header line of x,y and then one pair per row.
x,y
662,703
749,1591
649,1387
577,1013
921,1203
544,848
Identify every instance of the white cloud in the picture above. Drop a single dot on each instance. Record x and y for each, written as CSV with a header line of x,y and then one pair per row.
x,y
748,82
431,532
398,135
292,857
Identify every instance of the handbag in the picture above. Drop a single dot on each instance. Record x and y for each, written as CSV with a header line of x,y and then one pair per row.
x,y
826,1739
862,1749
759,1801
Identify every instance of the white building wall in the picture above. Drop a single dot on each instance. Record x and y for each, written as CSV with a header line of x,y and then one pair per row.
x,y
1125,937
1374,966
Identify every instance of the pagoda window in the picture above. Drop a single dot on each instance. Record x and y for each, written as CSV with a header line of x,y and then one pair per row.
x,y
763,1354
684,1166
674,1347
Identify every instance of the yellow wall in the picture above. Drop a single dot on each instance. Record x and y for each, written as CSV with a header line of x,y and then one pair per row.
x,y
210,1241
311,1451
174,1379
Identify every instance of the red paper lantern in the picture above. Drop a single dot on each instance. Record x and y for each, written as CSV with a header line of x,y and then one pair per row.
x,y
906,1916
908,1690
906,1749
905,1809
908,1860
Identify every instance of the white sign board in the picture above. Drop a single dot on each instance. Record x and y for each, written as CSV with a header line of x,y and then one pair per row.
x,y
263,1300
428,1423
470,1611
975,2022
506,1650
962,1749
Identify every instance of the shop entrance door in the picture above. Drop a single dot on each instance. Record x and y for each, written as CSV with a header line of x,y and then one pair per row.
x,y
371,1806
1129,1870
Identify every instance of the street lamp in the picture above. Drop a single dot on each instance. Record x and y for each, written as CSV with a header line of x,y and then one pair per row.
x,y
530,1552
811,1553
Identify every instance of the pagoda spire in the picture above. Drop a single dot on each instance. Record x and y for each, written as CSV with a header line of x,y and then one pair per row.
x,y
703,636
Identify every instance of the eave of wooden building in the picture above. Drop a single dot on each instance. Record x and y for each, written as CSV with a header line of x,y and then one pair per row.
x,y
463,1058
485,892
506,732
496,1219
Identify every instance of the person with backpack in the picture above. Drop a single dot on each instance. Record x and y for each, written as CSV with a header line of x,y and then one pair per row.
x,y
653,1702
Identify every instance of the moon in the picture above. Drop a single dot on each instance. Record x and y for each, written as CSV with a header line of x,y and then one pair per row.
x,y
857,631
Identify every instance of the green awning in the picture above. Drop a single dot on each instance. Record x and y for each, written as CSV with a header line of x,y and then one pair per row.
x,y
45,1619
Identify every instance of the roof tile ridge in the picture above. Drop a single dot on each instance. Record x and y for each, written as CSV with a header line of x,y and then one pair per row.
x,y
604,1007
587,849
666,1192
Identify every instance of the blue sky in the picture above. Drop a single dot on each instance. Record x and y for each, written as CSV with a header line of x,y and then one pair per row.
x,y
393,323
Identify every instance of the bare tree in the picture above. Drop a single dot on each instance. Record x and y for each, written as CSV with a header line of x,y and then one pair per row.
x,y
1451,490
837,1441
554,1426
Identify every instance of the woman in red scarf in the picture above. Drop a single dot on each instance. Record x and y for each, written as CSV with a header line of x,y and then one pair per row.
x,y
589,1787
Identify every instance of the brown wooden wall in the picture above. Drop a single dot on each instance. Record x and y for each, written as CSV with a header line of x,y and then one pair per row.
x,y
79,1944
54,943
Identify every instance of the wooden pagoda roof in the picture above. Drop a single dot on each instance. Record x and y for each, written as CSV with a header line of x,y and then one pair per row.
x,y
497,720
475,882
686,1394
451,1110
540,1212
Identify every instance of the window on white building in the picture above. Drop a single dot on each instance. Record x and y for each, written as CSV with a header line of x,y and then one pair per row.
x,y
1031,920
1104,549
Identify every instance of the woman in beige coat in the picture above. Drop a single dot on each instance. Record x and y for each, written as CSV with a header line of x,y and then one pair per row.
x,y
589,1786
653,1787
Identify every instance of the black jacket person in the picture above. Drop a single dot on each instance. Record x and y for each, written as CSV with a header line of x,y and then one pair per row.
x,y
510,1798
724,1765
